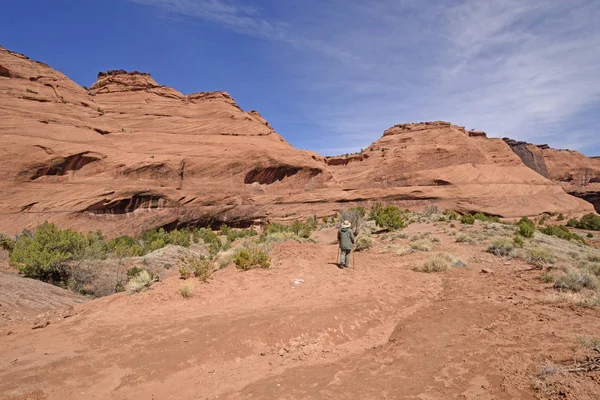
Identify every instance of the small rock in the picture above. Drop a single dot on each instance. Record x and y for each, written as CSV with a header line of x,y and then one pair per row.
x,y
487,271
281,352
41,324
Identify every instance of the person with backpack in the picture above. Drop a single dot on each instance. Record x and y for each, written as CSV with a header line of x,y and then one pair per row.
x,y
346,243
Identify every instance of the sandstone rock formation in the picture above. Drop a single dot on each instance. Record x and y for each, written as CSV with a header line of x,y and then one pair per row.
x,y
577,174
129,154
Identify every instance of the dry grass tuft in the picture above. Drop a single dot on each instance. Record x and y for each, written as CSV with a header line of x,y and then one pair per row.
x,y
439,263
421,245
141,282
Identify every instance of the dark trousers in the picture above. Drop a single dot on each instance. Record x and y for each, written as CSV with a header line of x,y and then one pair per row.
x,y
345,257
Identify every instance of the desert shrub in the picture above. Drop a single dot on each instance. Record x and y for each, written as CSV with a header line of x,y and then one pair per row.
x,y
298,228
467,219
363,243
501,247
486,218
519,241
431,210
43,253
589,222
593,258
360,210
526,227
560,217
421,245
96,248
246,259
576,280
233,234
389,217
439,263
6,243
462,238
452,215
540,256
562,232
546,277
158,238
125,246
140,282
590,235
131,272
197,266
186,292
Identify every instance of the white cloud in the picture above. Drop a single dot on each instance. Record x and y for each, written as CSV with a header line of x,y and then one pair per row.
x,y
520,68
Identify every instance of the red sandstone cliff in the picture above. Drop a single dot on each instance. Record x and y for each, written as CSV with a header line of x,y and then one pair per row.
x,y
129,154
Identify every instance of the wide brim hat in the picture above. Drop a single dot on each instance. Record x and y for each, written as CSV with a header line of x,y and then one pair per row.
x,y
346,224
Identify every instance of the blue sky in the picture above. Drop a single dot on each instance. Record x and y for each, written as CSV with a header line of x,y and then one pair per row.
x,y
331,75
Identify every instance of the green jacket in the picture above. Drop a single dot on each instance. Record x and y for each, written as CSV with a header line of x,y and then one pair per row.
x,y
346,238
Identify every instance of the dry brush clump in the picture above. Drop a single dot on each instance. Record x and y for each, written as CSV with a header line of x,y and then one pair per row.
x,y
575,280
540,257
464,238
140,282
502,247
363,243
440,262
421,245
196,266
250,258
186,291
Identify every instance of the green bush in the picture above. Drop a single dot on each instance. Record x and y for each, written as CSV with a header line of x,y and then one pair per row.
x,y
501,247
302,230
467,219
97,248
125,246
233,234
562,232
390,217
158,238
246,259
526,227
452,215
589,222
197,266
519,241
363,243
560,217
42,254
590,235
6,243
486,218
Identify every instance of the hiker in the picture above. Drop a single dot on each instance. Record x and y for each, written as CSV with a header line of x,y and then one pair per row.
x,y
346,242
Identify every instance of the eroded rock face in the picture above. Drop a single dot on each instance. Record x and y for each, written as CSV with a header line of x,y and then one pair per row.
x,y
577,174
130,154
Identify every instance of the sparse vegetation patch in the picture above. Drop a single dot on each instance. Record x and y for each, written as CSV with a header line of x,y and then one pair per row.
x,y
439,263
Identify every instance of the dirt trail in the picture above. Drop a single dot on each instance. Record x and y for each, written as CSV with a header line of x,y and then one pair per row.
x,y
380,331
